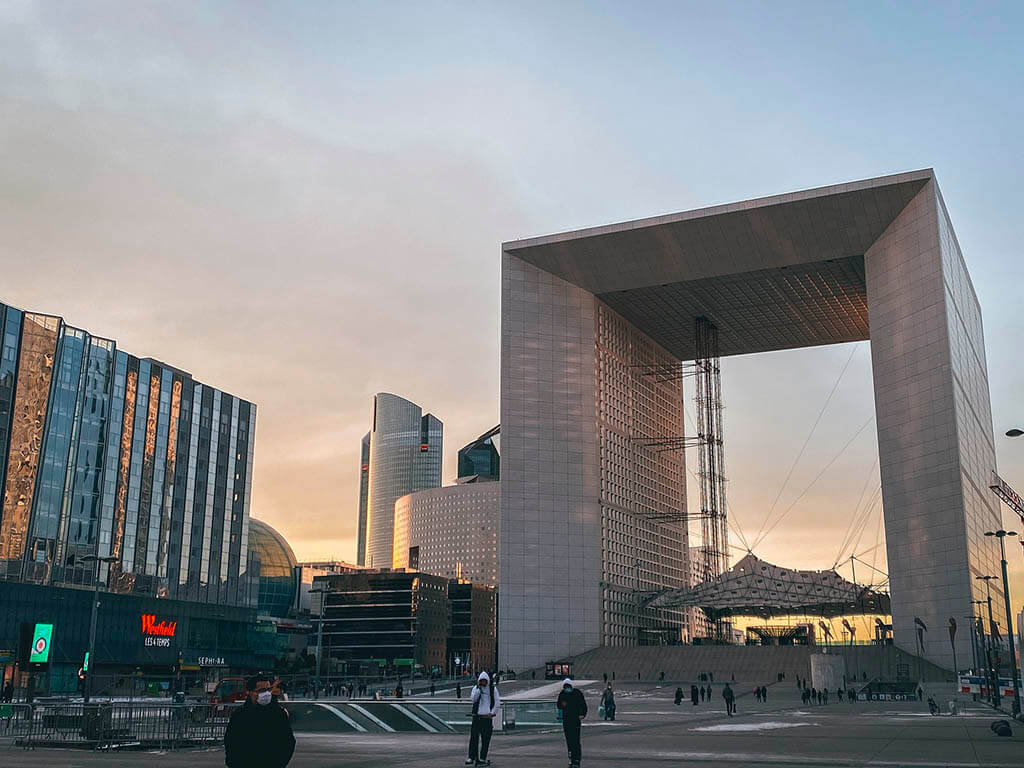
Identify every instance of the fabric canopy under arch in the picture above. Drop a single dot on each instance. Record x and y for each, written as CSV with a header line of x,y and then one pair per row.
x,y
755,587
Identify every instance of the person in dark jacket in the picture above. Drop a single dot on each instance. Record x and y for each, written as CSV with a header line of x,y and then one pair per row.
x,y
259,733
573,707
730,699
679,696
608,702
693,694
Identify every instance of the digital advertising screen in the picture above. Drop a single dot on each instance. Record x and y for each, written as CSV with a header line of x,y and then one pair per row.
x,y
41,639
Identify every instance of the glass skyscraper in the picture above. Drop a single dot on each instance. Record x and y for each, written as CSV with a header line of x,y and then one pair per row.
x,y
481,457
364,490
405,457
104,453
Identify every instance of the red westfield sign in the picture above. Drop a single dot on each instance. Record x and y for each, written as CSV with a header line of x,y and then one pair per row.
x,y
150,626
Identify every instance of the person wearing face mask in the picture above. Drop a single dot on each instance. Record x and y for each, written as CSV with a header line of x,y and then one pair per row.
x,y
485,701
259,733
574,709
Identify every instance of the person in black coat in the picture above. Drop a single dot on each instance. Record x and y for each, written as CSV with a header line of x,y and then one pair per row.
x,y
730,700
259,733
573,707
693,694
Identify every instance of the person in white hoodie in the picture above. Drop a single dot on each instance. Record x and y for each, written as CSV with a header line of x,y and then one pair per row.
x,y
485,701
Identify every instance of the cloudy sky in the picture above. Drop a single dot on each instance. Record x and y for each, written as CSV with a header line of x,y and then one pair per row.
x,y
302,203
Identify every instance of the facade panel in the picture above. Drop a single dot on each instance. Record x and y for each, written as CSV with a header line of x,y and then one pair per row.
x,y
31,399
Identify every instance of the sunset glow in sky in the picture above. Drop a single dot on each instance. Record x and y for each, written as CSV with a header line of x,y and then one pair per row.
x,y
303,204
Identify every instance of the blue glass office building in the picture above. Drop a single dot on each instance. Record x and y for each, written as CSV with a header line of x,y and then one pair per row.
x,y
105,453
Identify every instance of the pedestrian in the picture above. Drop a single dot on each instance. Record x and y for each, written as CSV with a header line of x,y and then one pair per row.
x,y
693,694
432,689
764,694
458,690
701,689
485,708
8,693
920,693
259,732
573,707
824,695
679,696
608,702
730,700
757,694
399,690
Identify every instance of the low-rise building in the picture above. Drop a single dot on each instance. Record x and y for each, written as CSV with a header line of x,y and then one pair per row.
x,y
383,621
474,624
391,621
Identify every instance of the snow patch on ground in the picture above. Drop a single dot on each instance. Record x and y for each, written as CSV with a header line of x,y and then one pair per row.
x,y
770,725
544,691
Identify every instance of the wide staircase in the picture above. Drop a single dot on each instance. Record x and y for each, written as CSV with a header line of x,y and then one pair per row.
x,y
753,664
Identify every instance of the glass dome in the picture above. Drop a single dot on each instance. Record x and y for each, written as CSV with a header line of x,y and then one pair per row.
x,y
278,580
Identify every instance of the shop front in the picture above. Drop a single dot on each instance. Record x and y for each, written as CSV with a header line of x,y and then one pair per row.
x,y
143,644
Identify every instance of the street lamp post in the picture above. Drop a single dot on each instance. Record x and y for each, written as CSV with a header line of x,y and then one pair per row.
x,y
92,622
977,634
993,674
1001,535
319,632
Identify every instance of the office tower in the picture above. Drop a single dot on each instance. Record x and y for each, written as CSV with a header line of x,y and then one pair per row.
x,y
105,453
450,531
480,457
405,457
364,490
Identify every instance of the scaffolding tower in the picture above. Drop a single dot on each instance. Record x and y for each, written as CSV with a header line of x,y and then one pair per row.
x,y
708,400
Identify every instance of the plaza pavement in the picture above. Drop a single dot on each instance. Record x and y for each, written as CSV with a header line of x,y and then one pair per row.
x,y
650,729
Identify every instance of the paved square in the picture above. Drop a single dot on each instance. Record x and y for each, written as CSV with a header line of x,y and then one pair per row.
x,y
650,729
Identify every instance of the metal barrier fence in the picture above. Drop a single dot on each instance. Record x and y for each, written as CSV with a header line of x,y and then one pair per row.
x,y
105,725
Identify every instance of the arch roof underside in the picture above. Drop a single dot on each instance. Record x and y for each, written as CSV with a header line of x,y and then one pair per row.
x,y
773,273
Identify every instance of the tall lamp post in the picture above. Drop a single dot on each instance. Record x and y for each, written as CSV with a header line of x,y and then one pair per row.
x,y
977,631
92,622
319,631
993,675
1001,535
